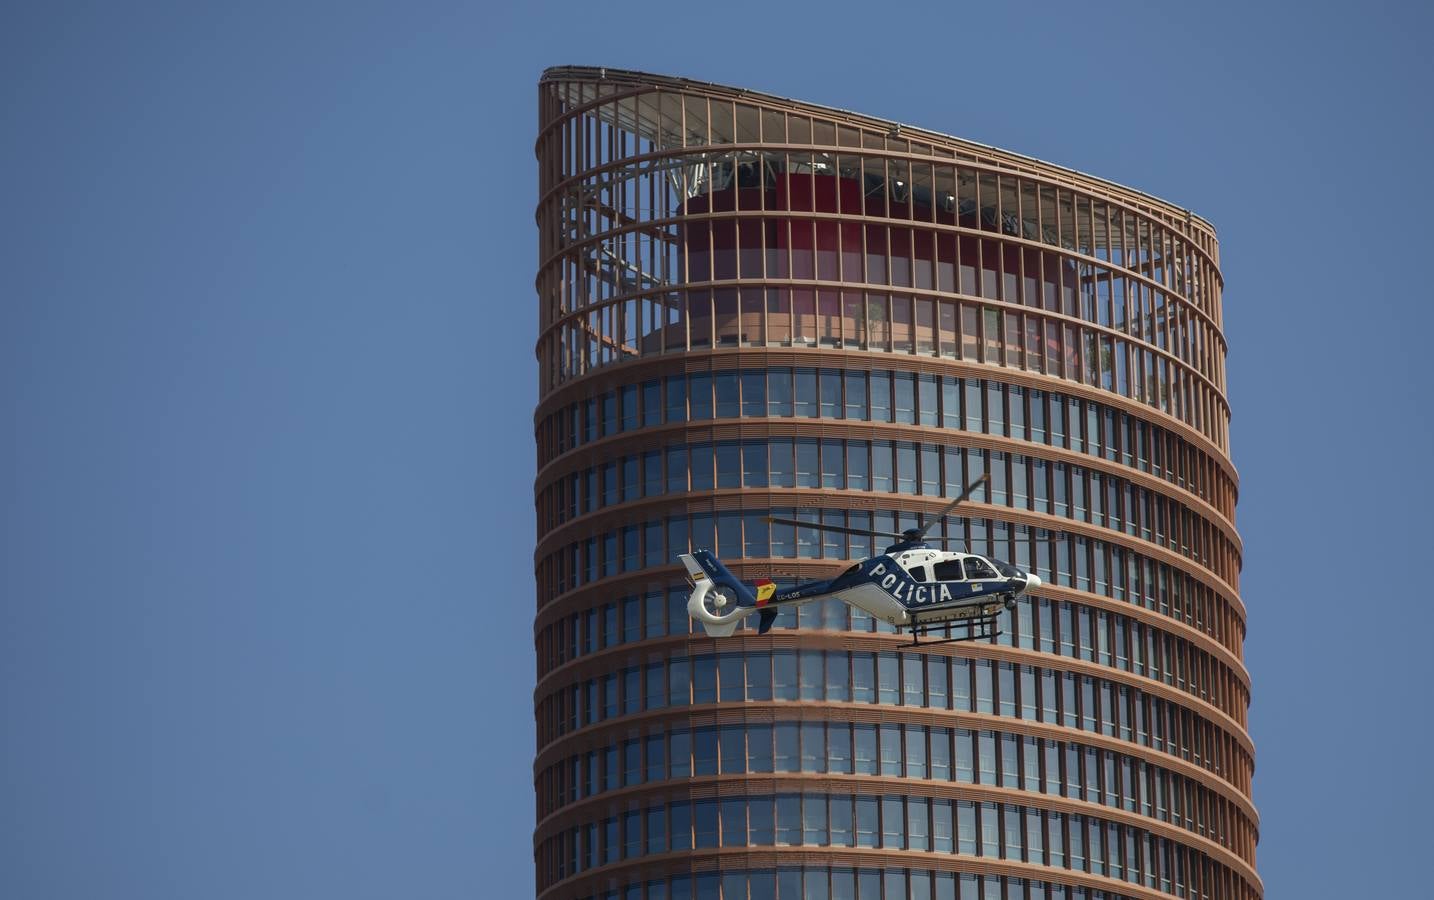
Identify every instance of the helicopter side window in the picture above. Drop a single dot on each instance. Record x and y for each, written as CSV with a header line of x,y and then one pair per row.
x,y
978,568
949,571
920,573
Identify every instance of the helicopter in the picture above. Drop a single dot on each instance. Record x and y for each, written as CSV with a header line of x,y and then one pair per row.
x,y
911,585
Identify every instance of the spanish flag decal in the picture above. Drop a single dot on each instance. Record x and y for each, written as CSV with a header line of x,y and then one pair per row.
x,y
765,589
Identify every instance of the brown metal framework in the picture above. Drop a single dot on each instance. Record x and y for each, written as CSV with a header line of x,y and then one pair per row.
x,y
750,304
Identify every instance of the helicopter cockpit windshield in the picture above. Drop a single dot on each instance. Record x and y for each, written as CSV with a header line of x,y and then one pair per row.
x,y
1007,570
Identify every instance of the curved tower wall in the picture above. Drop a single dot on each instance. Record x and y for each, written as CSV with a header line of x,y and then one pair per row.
x,y
750,305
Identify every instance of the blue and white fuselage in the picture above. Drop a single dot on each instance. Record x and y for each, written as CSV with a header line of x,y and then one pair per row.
x,y
911,584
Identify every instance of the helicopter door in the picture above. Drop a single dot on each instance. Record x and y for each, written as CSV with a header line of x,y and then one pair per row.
x,y
977,569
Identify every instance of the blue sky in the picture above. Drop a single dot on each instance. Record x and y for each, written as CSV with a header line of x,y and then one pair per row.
x,y
266,380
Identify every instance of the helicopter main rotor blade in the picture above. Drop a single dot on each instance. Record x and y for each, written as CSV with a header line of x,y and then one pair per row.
x,y
862,532
970,488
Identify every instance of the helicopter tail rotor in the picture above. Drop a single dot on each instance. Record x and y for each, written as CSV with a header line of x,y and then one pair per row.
x,y
719,601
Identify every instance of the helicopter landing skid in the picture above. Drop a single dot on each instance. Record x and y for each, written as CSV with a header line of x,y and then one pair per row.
x,y
976,629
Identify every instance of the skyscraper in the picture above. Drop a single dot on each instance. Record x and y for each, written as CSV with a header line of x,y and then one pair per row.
x,y
753,306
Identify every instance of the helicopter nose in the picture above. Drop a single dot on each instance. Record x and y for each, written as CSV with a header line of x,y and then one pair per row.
x,y
1032,580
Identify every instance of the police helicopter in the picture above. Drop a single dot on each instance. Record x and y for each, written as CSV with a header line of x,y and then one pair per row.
x,y
911,585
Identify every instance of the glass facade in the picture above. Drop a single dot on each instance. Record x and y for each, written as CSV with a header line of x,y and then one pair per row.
x,y
753,307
